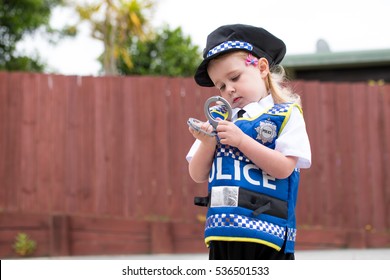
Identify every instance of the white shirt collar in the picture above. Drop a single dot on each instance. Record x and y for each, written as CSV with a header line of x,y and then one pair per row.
x,y
255,108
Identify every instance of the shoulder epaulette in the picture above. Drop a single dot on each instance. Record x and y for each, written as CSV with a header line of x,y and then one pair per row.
x,y
280,108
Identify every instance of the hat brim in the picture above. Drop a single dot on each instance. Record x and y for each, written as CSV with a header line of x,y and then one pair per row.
x,y
202,78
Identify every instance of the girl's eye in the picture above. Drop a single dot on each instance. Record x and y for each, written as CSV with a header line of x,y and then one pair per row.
x,y
235,78
222,88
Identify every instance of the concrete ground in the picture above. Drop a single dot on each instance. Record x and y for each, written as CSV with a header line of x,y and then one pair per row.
x,y
346,254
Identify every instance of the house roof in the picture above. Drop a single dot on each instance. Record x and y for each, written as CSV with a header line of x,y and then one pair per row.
x,y
323,60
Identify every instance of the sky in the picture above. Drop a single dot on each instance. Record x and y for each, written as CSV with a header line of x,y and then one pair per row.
x,y
344,25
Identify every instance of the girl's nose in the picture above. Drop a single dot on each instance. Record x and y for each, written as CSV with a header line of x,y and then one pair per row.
x,y
231,90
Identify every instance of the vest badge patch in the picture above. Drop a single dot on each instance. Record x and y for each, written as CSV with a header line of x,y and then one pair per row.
x,y
266,131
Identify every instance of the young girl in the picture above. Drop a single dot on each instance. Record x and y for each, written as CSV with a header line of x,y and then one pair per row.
x,y
252,167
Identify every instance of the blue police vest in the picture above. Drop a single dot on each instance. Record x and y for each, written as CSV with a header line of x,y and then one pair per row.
x,y
246,204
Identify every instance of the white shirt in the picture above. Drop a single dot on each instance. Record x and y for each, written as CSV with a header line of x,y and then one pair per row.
x,y
293,141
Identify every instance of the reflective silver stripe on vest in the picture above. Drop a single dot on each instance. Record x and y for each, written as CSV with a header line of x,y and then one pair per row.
x,y
224,196
233,196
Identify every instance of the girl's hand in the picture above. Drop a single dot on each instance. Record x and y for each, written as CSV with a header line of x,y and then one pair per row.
x,y
204,138
229,133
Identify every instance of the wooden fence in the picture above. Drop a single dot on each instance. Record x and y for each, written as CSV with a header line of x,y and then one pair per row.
x,y
96,165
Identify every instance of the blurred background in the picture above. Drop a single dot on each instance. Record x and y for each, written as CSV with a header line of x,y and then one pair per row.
x,y
94,99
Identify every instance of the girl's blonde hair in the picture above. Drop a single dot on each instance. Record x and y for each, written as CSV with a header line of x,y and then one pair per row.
x,y
278,85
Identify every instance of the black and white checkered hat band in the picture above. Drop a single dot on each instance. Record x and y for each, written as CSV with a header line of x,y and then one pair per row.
x,y
230,45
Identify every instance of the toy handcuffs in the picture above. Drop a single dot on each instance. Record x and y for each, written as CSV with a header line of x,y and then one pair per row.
x,y
225,112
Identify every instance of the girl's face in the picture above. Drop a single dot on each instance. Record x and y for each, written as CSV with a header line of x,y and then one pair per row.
x,y
238,83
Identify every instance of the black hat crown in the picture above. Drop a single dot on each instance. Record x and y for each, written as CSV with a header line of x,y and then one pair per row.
x,y
235,37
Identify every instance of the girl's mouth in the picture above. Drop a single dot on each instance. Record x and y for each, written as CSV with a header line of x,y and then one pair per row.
x,y
235,100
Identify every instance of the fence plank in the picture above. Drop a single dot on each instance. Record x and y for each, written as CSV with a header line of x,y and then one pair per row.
x,y
114,140
374,137
131,156
328,188
312,118
360,122
344,177
3,139
174,134
59,127
29,142
12,147
161,156
41,195
73,161
385,121
101,147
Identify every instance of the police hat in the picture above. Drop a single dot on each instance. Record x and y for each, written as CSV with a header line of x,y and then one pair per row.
x,y
235,37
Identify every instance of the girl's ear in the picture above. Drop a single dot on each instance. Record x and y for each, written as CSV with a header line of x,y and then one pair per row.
x,y
264,67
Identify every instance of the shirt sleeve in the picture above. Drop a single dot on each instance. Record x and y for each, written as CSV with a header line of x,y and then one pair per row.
x,y
294,140
193,149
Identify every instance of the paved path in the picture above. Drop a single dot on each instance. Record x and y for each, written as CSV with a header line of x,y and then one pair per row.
x,y
347,254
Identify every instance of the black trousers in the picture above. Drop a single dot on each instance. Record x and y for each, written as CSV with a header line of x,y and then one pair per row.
x,y
231,250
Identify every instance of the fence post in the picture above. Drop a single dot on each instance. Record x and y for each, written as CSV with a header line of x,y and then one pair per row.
x,y
59,235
